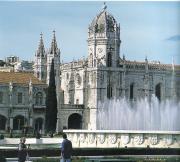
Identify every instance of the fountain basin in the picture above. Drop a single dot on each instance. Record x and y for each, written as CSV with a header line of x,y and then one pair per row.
x,y
123,139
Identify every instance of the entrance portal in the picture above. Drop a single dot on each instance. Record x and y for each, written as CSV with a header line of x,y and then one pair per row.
x,y
75,121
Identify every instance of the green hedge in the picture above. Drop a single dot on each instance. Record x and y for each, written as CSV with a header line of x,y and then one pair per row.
x,y
2,159
1,136
44,159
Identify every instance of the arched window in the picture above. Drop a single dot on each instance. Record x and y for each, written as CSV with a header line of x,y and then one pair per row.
x,y
20,98
91,60
39,98
158,91
109,91
109,59
2,122
131,96
1,97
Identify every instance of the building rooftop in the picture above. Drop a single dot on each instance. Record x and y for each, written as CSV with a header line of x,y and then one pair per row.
x,y
19,78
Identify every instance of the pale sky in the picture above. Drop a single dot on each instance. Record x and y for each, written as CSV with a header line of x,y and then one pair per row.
x,y
148,29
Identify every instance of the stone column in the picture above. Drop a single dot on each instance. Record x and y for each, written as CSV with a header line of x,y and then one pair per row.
x,y
11,123
57,125
31,121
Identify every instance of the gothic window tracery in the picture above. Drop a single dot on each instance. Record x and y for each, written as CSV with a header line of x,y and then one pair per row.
x,y
109,59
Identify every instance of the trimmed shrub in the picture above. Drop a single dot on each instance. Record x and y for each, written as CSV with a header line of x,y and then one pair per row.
x,y
1,136
2,159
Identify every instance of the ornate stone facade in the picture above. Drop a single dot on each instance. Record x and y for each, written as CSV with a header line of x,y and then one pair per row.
x,y
106,74
22,102
103,75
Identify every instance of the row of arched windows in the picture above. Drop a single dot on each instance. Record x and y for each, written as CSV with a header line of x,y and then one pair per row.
x,y
38,98
108,61
19,122
131,91
157,91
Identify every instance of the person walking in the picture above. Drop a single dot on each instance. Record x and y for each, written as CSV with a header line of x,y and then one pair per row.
x,y
66,149
22,150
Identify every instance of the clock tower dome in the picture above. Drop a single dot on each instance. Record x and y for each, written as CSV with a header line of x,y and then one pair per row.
x,y
103,40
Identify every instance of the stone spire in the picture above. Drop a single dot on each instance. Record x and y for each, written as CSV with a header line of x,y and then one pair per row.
x,y
54,48
41,49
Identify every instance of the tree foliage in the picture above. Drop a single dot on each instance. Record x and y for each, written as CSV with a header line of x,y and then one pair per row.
x,y
51,102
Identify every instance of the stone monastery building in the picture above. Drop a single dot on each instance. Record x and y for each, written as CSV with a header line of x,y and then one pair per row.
x,y
104,74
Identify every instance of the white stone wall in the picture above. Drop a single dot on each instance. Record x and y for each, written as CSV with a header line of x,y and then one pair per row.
x,y
123,139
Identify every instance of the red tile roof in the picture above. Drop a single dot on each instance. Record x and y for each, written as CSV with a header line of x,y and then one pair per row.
x,y
19,78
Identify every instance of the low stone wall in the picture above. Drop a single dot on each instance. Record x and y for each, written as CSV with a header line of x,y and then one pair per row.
x,y
13,142
123,139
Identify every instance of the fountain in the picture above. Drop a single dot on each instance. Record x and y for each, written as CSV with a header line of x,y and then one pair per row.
x,y
135,124
139,115
139,124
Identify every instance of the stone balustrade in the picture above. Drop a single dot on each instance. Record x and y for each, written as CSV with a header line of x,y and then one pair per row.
x,y
123,139
68,106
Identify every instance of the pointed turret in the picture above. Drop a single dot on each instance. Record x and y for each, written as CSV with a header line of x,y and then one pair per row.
x,y
54,48
41,50
53,54
40,61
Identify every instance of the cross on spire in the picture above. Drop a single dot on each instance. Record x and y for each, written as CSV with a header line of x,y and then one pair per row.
x,y
104,6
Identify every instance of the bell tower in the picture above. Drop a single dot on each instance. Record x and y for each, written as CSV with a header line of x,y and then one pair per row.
x,y
103,57
103,40
53,53
40,61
